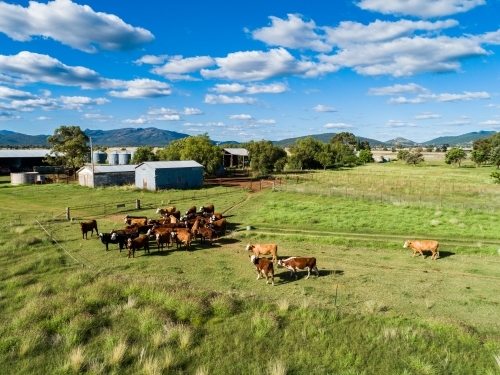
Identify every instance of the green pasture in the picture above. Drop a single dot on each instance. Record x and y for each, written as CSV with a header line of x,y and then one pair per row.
x,y
71,307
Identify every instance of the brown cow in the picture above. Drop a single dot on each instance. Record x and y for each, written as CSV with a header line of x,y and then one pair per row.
x,y
299,263
424,245
261,249
182,237
207,209
89,226
205,233
166,211
264,266
163,238
136,244
131,220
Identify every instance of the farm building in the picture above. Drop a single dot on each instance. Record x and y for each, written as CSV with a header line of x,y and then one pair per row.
x,y
107,175
18,160
154,175
234,157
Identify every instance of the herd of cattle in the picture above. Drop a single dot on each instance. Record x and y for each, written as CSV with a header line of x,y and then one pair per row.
x,y
204,225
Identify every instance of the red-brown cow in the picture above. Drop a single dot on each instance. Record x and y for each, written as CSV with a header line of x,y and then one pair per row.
x,y
163,238
424,245
263,266
264,249
182,237
299,263
89,226
141,242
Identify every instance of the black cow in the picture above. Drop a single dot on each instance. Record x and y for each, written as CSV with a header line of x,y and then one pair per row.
x,y
118,237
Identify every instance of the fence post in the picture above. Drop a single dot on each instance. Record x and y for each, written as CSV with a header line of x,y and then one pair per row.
x,y
260,185
137,204
68,215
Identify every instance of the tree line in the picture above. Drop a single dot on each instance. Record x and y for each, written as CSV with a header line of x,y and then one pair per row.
x,y
70,147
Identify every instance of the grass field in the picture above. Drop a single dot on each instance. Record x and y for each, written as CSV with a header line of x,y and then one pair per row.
x,y
373,310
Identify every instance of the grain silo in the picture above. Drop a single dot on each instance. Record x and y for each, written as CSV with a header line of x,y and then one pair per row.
x,y
100,157
113,158
124,158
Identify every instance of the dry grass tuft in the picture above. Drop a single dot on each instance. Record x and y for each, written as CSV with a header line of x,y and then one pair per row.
x,y
453,221
168,360
118,353
152,366
435,223
130,302
390,333
185,336
283,305
497,358
438,213
201,371
276,367
77,359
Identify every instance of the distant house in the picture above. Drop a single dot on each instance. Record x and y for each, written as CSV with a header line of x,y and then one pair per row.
x,y
107,175
156,175
234,157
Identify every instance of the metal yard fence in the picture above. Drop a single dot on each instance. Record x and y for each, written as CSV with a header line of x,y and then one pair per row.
x,y
135,207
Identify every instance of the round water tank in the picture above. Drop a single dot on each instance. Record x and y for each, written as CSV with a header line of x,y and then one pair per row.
x,y
124,157
113,158
100,157
23,178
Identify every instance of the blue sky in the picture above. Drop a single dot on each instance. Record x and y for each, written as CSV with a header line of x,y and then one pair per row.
x,y
241,70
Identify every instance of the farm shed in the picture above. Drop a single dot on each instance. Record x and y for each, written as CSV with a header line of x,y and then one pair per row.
x,y
107,175
234,157
18,160
154,175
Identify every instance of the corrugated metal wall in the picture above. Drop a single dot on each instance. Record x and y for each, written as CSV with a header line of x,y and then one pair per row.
x,y
168,178
107,179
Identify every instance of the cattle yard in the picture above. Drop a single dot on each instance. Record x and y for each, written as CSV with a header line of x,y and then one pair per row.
x,y
373,309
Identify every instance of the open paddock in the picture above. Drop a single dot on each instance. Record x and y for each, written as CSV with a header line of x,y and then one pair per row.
x,y
374,309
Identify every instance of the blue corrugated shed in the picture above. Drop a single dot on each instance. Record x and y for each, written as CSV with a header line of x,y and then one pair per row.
x,y
155,175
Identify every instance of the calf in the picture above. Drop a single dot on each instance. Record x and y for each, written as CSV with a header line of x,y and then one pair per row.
x,y
299,263
205,233
264,266
424,245
207,209
261,249
182,237
141,242
161,239
114,238
89,226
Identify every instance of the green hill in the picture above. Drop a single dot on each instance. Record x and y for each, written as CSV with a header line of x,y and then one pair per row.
x,y
325,138
460,140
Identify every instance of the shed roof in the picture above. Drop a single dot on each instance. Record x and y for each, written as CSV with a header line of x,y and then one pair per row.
x,y
109,168
171,164
237,151
37,153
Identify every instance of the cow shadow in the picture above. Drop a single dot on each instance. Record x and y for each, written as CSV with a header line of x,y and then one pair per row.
x,y
227,241
160,253
285,278
445,254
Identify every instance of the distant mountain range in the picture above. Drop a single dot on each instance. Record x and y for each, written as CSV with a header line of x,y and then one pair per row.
x,y
130,137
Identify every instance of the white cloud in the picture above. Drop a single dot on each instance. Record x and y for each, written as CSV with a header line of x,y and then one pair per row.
x,y
324,108
77,26
349,32
166,118
151,60
267,122
338,125
7,116
34,67
167,111
74,102
240,117
403,100
29,105
12,94
142,88
426,116
224,99
236,88
420,8
208,124
139,121
490,123
43,118
177,67
407,56
456,123
260,65
97,117
399,124
291,33
411,88
466,96
493,106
